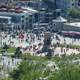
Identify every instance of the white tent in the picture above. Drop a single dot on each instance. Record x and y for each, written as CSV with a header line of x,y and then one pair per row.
x,y
60,19
5,17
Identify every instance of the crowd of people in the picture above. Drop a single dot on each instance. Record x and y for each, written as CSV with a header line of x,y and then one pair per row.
x,y
32,43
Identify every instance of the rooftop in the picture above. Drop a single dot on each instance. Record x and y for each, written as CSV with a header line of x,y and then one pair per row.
x,y
4,8
75,24
5,17
60,19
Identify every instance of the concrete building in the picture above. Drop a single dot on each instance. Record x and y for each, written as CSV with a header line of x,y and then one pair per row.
x,y
72,26
60,24
9,2
78,3
65,5
37,5
5,22
22,18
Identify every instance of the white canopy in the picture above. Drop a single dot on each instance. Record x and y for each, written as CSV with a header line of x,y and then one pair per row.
x,y
29,10
60,19
74,24
5,17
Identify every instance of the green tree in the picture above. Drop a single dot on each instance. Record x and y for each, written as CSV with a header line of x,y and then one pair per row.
x,y
74,13
36,69
26,71
68,72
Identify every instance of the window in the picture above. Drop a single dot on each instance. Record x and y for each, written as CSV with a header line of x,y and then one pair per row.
x,y
26,18
72,4
23,16
54,25
22,21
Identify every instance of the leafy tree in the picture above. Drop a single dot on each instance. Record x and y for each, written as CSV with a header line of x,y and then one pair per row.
x,y
36,69
74,13
27,71
68,72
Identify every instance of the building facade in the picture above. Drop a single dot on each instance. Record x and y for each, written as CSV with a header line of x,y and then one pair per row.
x,y
21,18
63,6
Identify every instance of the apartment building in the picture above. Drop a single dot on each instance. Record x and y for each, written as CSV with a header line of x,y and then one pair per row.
x,y
22,18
